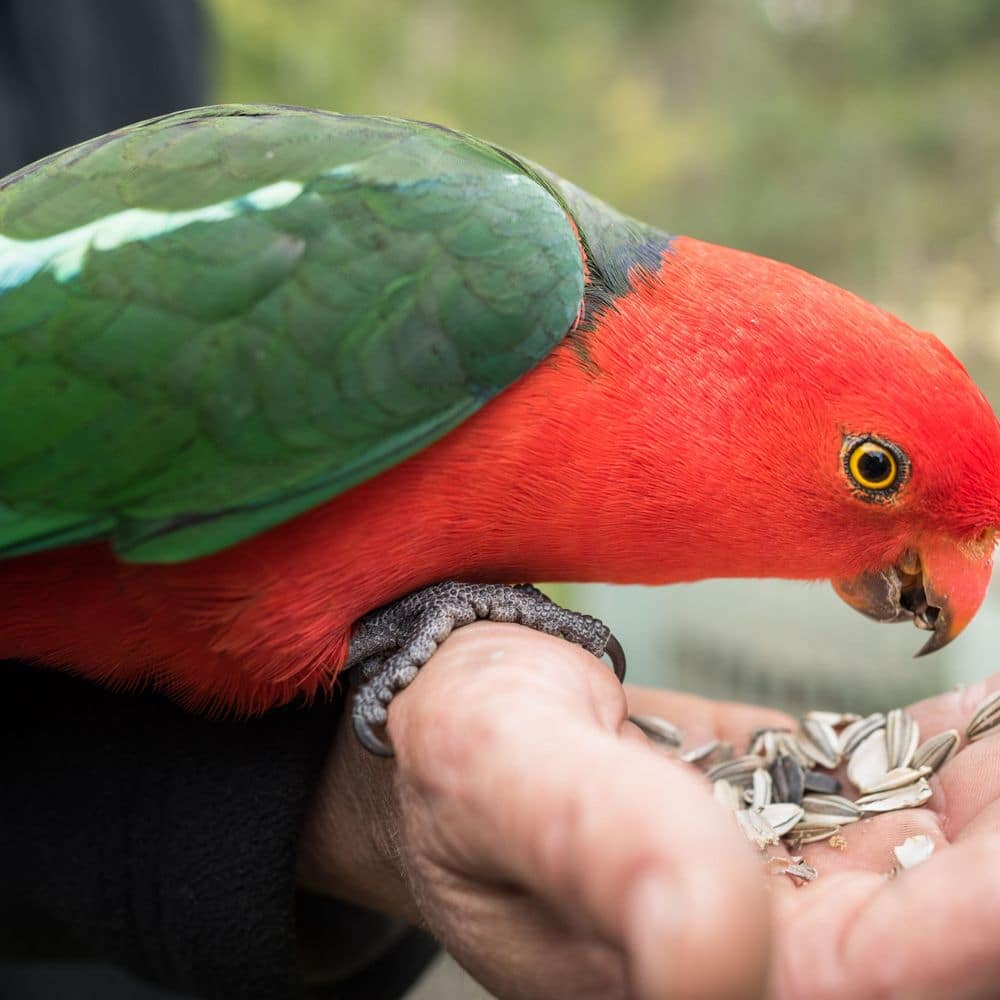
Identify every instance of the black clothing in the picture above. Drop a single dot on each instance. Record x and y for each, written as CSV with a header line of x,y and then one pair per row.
x,y
165,843
72,69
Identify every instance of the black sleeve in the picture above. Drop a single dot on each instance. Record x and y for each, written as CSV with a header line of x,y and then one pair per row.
x,y
165,843
70,70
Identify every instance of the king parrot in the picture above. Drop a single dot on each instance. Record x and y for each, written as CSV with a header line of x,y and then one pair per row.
x,y
284,391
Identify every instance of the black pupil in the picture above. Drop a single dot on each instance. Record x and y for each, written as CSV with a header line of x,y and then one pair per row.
x,y
875,466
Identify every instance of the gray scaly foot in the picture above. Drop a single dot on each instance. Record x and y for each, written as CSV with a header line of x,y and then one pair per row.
x,y
391,644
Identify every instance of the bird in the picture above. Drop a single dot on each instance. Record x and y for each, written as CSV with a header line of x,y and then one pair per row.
x,y
287,395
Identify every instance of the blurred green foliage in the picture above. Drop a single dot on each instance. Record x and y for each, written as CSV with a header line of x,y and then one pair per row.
x,y
858,140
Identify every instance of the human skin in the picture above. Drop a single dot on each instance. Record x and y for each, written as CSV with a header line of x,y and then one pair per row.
x,y
530,827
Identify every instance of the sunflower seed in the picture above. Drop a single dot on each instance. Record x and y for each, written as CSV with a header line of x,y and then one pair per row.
x,y
858,731
985,719
912,795
764,743
659,730
898,777
786,743
834,719
699,753
756,828
794,866
760,794
727,795
937,751
739,770
820,742
902,735
811,833
914,850
869,761
822,784
788,777
782,816
831,807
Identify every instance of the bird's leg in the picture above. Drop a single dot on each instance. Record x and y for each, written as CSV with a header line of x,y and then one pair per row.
x,y
391,644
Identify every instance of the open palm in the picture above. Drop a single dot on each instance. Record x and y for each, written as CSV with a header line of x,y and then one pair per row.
x,y
858,931
555,853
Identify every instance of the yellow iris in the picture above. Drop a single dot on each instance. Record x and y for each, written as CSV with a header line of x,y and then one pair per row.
x,y
873,466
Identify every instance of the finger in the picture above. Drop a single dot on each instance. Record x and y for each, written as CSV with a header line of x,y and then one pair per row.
x,y
932,932
702,719
614,836
953,709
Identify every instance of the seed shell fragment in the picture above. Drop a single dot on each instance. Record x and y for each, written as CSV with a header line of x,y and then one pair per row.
x,y
756,828
914,850
907,797
794,866
898,777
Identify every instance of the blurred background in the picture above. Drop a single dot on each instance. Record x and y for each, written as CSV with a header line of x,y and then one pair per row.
x,y
858,141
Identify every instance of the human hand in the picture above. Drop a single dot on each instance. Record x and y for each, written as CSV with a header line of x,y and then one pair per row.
x,y
930,932
531,828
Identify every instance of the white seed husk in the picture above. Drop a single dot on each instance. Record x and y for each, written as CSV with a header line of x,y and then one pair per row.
x,y
869,761
985,719
898,777
699,753
820,741
858,731
727,795
739,770
659,730
756,828
914,850
833,806
902,736
835,719
937,751
760,793
782,816
915,794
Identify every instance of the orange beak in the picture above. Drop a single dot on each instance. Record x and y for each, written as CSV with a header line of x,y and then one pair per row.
x,y
940,588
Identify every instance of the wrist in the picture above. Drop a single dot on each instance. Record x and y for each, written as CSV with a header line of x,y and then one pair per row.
x,y
350,844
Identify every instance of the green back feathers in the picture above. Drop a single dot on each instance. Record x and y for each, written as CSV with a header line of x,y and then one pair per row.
x,y
213,321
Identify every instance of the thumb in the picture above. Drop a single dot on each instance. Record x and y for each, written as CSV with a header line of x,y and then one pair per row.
x,y
530,764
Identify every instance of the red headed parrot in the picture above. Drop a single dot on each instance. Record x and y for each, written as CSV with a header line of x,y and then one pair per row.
x,y
283,392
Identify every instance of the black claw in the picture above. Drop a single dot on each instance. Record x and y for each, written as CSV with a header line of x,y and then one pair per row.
x,y
367,738
615,653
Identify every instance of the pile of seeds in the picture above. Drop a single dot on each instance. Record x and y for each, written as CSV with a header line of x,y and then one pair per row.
x,y
784,788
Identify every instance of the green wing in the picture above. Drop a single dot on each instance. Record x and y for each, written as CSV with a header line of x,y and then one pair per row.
x,y
213,321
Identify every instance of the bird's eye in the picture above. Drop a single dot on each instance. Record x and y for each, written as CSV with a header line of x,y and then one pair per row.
x,y
877,467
